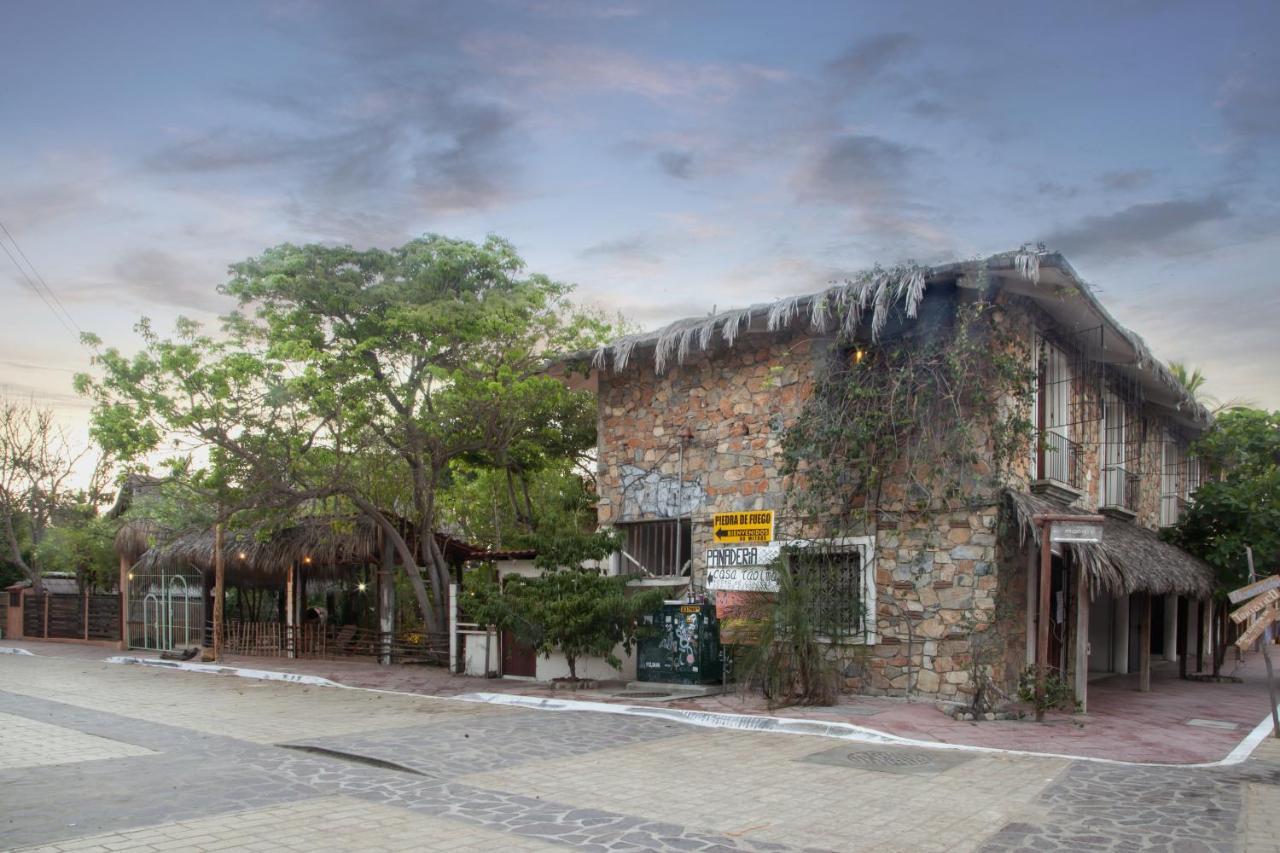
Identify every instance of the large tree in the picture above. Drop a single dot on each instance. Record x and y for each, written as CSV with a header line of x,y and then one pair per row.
x,y
37,461
1239,505
360,377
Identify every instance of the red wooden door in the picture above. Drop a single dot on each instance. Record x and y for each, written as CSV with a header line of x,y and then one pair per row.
x,y
517,658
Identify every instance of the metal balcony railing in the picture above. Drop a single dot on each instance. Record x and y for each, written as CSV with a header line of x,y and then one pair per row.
x,y
1059,459
1120,488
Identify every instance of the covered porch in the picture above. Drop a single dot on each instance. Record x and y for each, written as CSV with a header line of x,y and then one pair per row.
x,y
1119,606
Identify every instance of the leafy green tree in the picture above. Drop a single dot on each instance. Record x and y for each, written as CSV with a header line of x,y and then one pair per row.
x,y
1240,506
81,543
578,612
361,378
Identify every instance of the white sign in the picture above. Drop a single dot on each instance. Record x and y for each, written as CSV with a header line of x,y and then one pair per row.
x,y
743,555
743,579
1075,531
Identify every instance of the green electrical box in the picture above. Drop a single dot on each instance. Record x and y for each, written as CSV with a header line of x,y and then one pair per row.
x,y
685,649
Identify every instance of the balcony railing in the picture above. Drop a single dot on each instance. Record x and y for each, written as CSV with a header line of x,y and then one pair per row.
x,y
1059,459
1119,488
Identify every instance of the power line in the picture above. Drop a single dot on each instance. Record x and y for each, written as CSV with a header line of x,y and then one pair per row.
x,y
47,289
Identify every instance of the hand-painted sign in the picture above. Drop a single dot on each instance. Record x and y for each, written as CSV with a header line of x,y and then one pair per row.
x,y
1075,531
1255,605
742,555
1264,585
1255,630
743,579
752,526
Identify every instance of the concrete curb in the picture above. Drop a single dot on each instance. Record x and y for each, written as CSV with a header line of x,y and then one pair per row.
x,y
216,669
702,719
10,650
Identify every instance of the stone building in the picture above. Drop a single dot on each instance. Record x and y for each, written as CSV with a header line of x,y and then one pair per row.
x,y
691,422
692,419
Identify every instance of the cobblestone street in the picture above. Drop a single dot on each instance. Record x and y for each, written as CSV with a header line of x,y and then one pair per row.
x,y
95,756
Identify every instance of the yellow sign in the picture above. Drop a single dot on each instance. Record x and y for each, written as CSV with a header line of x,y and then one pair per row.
x,y
750,526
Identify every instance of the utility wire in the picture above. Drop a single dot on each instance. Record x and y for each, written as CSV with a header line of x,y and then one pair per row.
x,y
64,317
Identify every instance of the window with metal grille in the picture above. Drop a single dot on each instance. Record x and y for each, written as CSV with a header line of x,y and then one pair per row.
x,y
1057,455
1171,457
1194,477
656,547
832,579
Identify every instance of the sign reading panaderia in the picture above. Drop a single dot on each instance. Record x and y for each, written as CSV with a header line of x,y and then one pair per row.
x,y
1075,531
751,526
742,555
743,568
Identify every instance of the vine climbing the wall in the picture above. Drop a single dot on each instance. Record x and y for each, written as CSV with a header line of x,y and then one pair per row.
x,y
925,419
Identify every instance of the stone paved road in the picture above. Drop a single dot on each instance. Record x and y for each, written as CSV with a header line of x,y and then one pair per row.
x,y
106,757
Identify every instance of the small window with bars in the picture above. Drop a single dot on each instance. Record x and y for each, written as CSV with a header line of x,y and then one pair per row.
x,y
831,579
15,598
656,547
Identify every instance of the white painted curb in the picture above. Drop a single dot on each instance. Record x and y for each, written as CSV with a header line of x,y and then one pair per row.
x,y
703,719
216,669
10,650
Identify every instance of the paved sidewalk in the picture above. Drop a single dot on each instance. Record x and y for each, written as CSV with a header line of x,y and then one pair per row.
x,y
1178,722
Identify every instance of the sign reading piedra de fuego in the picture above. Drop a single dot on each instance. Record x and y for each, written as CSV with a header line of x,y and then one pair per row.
x,y
745,547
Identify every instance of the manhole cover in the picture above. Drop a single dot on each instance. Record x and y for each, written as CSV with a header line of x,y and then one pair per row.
x,y
906,760
889,759
641,694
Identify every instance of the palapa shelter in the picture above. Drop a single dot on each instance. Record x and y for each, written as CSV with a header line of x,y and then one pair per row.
x,y
169,582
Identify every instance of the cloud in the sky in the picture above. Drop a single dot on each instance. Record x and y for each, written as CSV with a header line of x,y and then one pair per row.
x,y
1123,180
1139,228
856,169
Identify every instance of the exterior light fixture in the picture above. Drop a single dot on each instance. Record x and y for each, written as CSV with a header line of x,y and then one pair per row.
x,y
130,575
306,560
361,586
242,555
858,355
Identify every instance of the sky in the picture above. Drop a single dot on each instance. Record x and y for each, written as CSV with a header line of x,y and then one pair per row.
x,y
666,157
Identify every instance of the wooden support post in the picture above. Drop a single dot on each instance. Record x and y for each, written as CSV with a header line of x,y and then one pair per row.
x,y
1183,616
1144,646
219,589
124,603
1200,634
1042,619
290,605
84,613
1082,638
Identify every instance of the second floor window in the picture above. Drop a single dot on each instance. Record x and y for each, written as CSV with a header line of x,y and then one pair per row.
x,y
1057,455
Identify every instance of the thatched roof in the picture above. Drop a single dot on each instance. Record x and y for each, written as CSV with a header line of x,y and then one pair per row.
x,y
868,299
325,548
1129,559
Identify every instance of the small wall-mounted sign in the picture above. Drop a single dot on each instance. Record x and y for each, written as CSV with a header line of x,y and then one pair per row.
x,y
743,579
1075,531
751,526
743,555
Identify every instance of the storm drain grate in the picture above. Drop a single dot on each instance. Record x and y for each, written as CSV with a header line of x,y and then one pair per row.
x,y
641,694
890,759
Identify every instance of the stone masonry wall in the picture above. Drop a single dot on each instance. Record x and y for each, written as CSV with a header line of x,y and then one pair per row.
x,y
936,577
